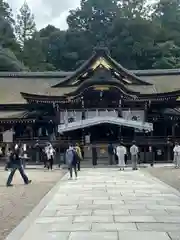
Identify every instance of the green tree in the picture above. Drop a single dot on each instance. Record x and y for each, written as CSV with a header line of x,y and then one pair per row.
x,y
34,56
167,55
7,36
25,25
132,9
53,43
8,43
139,34
94,17
167,16
9,62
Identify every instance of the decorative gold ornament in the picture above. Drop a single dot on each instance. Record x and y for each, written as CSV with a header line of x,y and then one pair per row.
x,y
101,62
101,88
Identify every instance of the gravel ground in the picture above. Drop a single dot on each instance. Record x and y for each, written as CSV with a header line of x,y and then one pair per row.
x,y
169,175
17,202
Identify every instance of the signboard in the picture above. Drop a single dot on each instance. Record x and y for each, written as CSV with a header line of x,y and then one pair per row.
x,y
134,115
70,116
101,88
87,139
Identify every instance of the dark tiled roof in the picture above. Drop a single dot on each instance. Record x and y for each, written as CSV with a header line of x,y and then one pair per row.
x,y
60,74
12,114
64,74
103,55
156,72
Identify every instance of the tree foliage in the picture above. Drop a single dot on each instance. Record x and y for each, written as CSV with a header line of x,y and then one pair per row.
x,y
9,62
25,25
140,34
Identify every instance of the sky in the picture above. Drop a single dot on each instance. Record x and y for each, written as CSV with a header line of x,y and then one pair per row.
x,y
47,11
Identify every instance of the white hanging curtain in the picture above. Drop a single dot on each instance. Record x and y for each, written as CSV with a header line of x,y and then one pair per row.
x,y
111,120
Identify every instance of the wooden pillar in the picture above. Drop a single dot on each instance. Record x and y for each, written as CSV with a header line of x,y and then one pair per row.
x,y
30,129
168,149
173,129
120,115
83,116
145,111
58,118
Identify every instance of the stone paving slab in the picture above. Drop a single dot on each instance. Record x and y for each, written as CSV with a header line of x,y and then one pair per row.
x,y
109,204
174,235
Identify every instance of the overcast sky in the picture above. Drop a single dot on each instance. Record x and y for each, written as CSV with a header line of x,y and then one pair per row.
x,y
47,11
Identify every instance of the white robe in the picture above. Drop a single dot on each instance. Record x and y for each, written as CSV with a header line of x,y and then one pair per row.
x,y
176,151
49,152
121,151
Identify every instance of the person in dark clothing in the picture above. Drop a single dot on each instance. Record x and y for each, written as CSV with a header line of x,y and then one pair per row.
x,y
94,155
115,156
38,151
110,153
44,158
71,160
126,158
78,156
16,165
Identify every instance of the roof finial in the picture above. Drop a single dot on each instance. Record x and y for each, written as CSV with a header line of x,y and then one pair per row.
x,y
101,48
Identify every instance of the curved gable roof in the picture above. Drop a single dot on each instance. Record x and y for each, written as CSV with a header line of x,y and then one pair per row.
x,y
101,59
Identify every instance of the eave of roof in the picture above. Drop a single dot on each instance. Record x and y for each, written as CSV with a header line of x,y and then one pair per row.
x,y
128,95
64,74
57,74
15,117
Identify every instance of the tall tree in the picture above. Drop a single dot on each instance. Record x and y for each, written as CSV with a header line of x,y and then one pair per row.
x,y
8,43
53,43
33,55
94,17
7,37
167,16
25,25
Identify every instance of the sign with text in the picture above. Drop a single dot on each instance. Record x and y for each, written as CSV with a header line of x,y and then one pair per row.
x,y
134,115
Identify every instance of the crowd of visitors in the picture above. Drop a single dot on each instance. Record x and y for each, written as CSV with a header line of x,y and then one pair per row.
x,y
17,156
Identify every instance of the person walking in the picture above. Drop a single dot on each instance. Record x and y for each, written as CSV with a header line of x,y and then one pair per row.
x,y
176,151
71,161
134,155
16,164
79,156
121,152
50,156
94,155
44,157
38,151
8,159
110,153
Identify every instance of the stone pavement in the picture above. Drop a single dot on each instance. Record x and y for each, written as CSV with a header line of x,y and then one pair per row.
x,y
106,204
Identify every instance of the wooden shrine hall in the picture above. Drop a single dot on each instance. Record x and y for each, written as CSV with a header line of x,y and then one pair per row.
x,y
99,102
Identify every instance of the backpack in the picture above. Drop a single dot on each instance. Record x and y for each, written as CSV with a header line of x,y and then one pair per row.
x,y
76,157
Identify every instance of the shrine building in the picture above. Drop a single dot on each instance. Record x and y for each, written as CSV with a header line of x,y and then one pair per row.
x,y
100,102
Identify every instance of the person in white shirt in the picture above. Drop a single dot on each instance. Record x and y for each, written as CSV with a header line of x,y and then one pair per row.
x,y
176,151
121,152
50,155
134,155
